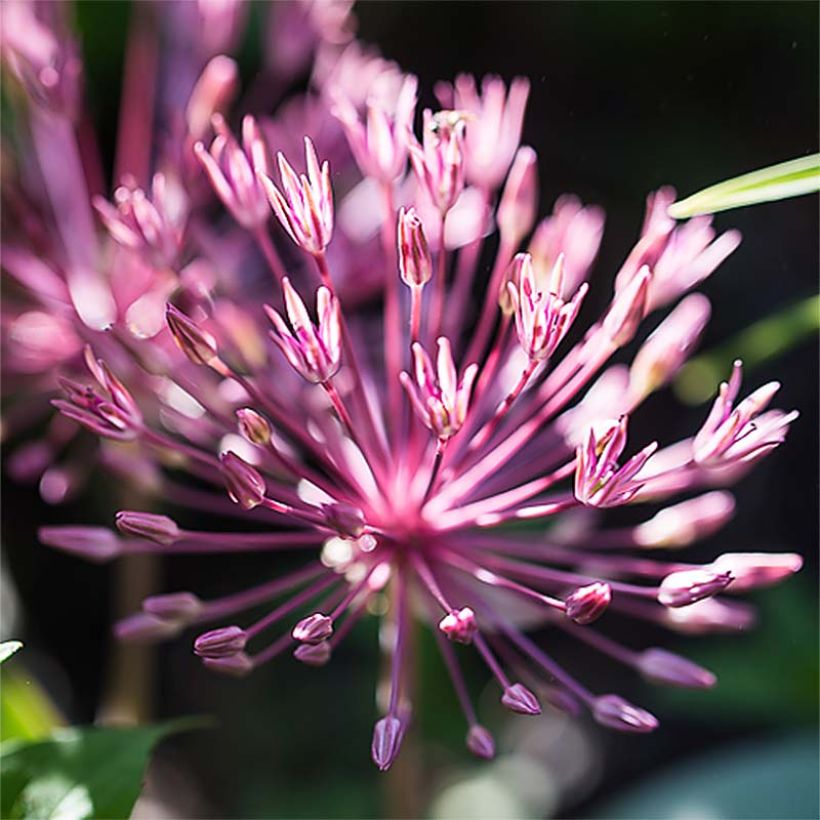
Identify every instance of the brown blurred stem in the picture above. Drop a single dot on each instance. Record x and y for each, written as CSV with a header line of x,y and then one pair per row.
x,y
128,689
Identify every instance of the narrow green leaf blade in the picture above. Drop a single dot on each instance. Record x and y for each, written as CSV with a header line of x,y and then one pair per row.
x,y
786,179
79,772
8,648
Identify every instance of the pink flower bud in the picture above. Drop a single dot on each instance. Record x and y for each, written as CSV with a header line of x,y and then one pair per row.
x,y
237,666
305,210
346,519
517,698
232,171
519,201
710,615
438,398
588,603
664,352
213,91
599,480
198,345
221,643
387,737
459,625
628,309
542,319
684,523
732,435
480,742
616,713
313,351
688,586
175,606
660,666
415,262
253,427
751,570
145,628
317,654
313,629
439,161
92,543
157,528
245,485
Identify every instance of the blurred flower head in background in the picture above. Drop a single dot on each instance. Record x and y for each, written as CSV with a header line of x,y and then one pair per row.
x,y
343,380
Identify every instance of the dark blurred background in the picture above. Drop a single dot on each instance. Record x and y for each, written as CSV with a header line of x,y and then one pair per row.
x,y
625,97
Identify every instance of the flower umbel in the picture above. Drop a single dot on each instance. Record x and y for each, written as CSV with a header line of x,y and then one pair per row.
x,y
439,502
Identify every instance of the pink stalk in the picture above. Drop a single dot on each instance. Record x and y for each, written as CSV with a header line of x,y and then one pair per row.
x,y
392,317
270,253
488,311
440,289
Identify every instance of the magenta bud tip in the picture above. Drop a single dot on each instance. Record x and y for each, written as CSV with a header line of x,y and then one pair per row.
x,y
517,698
459,625
157,528
588,603
317,654
387,737
689,586
480,742
616,713
238,665
660,666
313,629
221,643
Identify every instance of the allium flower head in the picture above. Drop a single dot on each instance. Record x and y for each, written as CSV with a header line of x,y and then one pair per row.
x,y
394,451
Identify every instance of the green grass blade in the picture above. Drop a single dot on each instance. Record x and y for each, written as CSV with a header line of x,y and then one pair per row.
x,y
787,179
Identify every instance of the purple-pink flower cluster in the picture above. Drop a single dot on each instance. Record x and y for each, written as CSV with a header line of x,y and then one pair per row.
x,y
436,455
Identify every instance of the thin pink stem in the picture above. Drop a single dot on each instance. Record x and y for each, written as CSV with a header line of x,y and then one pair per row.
x,y
270,253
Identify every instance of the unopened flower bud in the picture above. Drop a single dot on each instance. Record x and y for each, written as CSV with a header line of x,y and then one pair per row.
x,y
750,570
145,628
521,263
198,345
660,666
244,484
97,544
616,713
311,654
175,606
415,262
519,202
480,742
313,629
628,309
221,643
346,519
313,351
588,603
459,625
253,427
691,520
387,737
157,528
213,91
710,615
662,355
237,666
688,586
517,698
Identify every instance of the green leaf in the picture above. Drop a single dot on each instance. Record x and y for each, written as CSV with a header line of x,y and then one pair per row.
x,y
79,772
26,711
8,648
787,179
